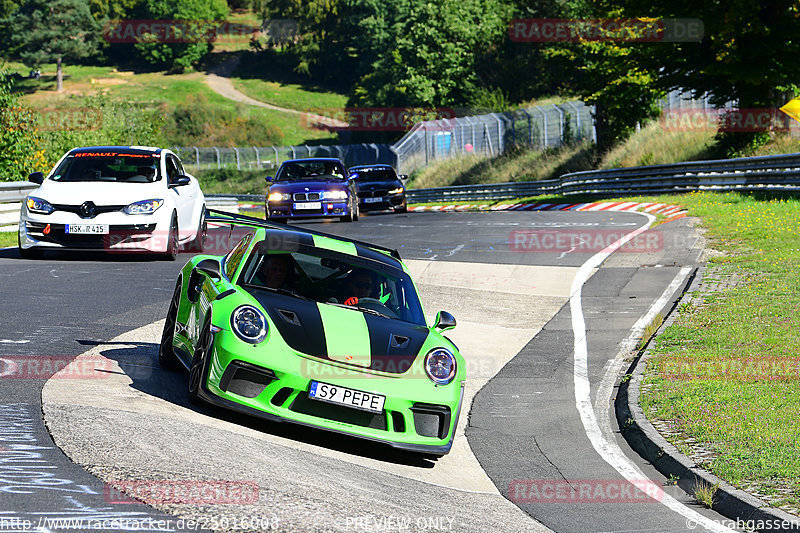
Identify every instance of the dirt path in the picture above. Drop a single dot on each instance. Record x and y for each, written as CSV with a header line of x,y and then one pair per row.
x,y
219,81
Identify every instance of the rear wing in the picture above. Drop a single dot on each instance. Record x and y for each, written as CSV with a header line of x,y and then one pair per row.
x,y
236,219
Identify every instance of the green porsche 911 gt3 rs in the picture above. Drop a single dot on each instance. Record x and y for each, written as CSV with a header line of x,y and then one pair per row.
x,y
319,330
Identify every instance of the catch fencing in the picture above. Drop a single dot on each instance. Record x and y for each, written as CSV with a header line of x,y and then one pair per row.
x,y
270,157
492,134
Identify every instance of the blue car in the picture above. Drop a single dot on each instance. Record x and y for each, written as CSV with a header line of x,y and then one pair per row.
x,y
311,188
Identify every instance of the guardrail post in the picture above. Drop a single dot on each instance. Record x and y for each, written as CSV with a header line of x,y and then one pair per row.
x,y
307,150
197,157
277,162
219,164
258,159
294,154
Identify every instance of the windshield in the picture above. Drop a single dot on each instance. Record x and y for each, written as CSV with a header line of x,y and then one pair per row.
x,y
378,174
335,279
108,166
302,170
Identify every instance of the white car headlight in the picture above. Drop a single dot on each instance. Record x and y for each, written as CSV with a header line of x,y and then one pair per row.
x,y
249,324
278,197
440,365
334,195
37,205
144,207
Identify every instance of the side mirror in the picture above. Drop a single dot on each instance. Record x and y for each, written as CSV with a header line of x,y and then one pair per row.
x,y
403,177
209,267
444,321
36,177
268,179
180,181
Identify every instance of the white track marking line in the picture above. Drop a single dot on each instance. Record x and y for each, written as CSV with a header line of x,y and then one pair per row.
x,y
609,450
614,366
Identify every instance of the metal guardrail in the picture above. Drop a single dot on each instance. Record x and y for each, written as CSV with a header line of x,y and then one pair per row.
x,y
772,173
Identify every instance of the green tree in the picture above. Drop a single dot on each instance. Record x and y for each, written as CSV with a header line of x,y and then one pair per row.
x,y
45,31
195,16
749,54
19,153
429,52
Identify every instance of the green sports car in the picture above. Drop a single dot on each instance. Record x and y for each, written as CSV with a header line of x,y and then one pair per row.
x,y
296,325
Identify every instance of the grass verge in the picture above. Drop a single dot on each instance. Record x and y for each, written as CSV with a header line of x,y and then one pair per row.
x,y
8,238
724,376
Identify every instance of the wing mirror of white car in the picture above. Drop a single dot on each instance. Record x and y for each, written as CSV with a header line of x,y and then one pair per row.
x,y
181,181
444,321
36,177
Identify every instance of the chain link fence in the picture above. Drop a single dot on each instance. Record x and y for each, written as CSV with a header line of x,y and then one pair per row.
x,y
492,134
270,157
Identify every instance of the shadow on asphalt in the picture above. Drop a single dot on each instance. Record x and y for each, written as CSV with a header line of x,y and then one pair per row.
x,y
140,363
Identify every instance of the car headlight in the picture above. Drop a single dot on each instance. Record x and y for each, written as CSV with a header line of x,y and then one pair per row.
x,y
440,365
249,324
144,207
278,197
37,205
396,191
334,195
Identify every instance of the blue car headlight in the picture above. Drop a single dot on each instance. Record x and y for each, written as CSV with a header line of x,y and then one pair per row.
x,y
440,365
249,324
334,195
144,207
279,197
397,190
39,206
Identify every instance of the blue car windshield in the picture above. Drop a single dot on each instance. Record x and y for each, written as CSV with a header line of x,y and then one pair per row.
x,y
303,170
335,279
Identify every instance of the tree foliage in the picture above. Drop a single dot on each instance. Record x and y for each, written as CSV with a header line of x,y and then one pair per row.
x,y
19,144
49,31
178,56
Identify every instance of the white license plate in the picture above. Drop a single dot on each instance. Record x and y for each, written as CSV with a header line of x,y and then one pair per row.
x,y
94,229
349,397
372,200
308,205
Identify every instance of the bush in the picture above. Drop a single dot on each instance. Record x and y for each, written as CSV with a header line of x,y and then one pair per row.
x,y
20,151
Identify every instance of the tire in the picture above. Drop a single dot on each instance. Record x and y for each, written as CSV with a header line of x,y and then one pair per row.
x,y
28,253
279,220
166,352
198,244
351,215
172,244
403,209
356,211
197,372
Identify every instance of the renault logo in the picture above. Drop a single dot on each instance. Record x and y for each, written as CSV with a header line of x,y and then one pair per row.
x,y
87,210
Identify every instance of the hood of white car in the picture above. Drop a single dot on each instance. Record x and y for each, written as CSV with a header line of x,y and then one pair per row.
x,y
101,193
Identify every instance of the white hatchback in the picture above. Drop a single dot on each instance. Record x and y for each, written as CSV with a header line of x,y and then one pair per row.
x,y
117,199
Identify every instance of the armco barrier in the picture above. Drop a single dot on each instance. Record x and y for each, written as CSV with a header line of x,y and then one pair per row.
x,y
765,173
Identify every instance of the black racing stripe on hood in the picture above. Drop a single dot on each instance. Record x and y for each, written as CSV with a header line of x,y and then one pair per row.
x,y
394,344
298,321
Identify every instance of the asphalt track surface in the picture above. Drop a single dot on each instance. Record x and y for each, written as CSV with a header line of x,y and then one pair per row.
x,y
523,427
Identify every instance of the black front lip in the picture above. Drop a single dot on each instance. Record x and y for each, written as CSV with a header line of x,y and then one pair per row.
x,y
224,403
